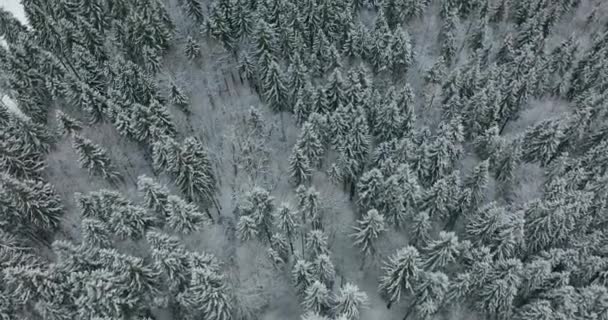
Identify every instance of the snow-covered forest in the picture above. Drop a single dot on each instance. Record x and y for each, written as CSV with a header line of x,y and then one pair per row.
x,y
304,160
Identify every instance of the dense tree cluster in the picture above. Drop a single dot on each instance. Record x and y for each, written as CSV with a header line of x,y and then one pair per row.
x,y
465,191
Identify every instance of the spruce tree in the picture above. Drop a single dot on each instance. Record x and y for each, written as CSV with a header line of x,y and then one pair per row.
x,y
155,195
67,124
182,216
287,222
96,233
302,275
194,9
402,55
420,229
401,273
193,173
369,189
368,230
316,243
192,50
310,144
317,298
349,302
178,98
131,221
29,206
95,159
206,295
442,251
300,170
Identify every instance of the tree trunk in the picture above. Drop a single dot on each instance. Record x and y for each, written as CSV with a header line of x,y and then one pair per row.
x,y
283,136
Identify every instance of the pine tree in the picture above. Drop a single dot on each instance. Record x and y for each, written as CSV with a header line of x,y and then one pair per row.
x,y
316,243
542,141
246,228
448,38
497,293
194,10
300,170
420,228
369,189
207,295
192,49
394,203
287,222
273,85
193,172
430,292
440,199
257,210
131,221
389,122
349,302
178,98
368,230
316,298
182,216
442,251
170,258
67,124
402,54
324,270
155,195
401,272
310,144
302,275
95,159
32,206
17,160
95,233
477,183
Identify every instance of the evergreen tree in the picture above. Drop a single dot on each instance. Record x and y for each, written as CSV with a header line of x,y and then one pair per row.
x,y
442,251
155,195
369,189
317,298
193,172
192,49
194,9
67,124
389,122
541,142
310,144
402,54
178,98
131,221
430,292
287,222
302,275
316,243
401,272
420,228
477,183
324,270
273,85
95,159
207,295
182,216
17,160
349,302
300,170
448,37
368,230
31,206
257,211
95,233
